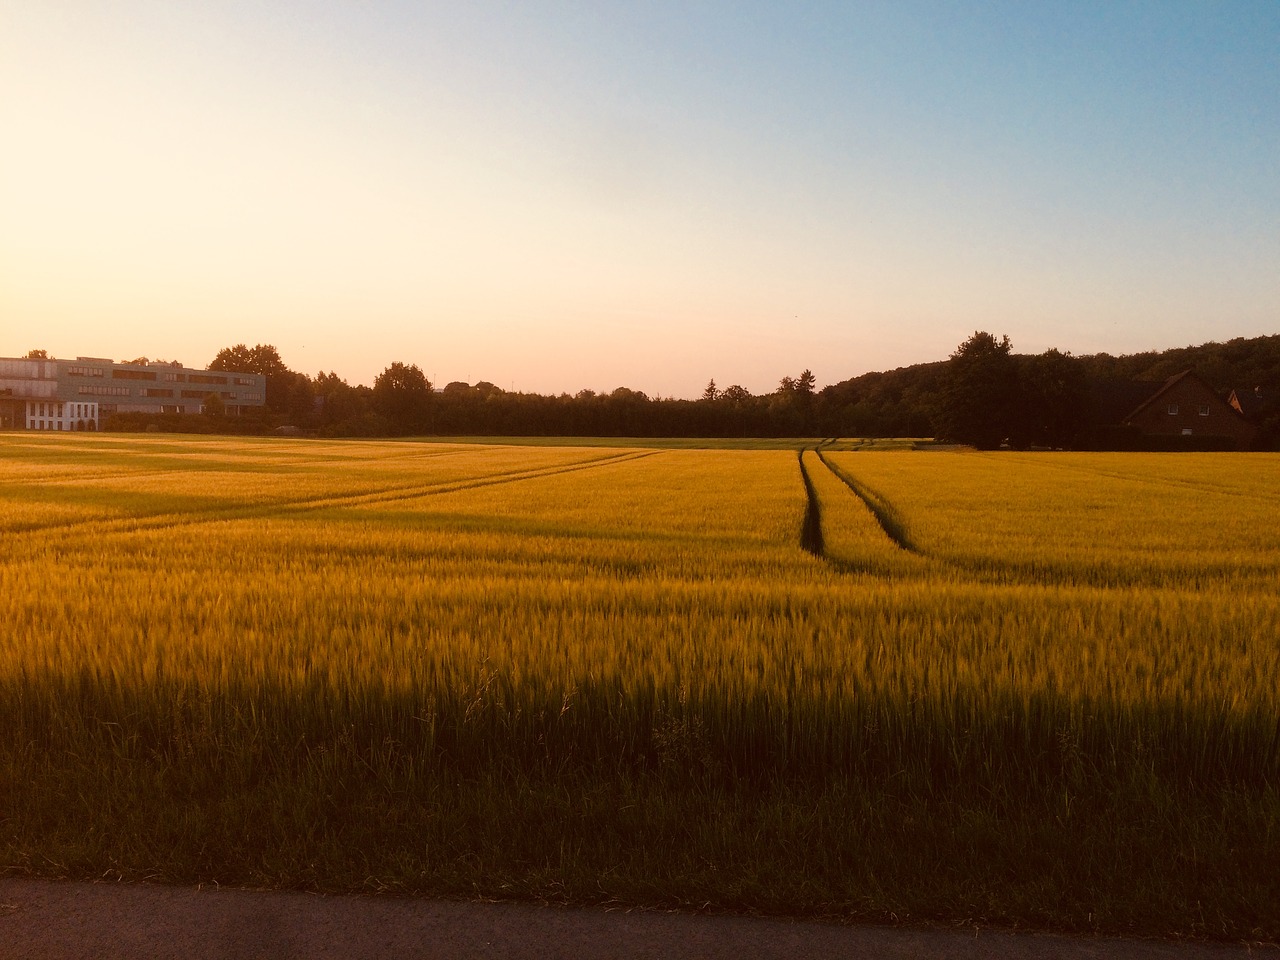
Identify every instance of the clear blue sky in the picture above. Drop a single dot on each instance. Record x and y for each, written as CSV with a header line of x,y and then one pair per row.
x,y
556,196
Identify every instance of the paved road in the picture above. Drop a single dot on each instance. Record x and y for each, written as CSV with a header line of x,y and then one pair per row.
x,y
51,920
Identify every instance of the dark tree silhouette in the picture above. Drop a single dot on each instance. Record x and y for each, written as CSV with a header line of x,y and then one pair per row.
x,y
287,391
1053,409
402,394
980,392
263,359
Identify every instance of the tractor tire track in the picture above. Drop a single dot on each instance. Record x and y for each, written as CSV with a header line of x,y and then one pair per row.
x,y
881,508
171,519
811,526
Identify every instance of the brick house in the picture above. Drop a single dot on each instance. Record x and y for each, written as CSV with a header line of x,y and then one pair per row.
x,y
1186,406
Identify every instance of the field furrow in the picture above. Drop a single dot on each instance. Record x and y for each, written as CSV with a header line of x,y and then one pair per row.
x,y
811,528
881,508
136,508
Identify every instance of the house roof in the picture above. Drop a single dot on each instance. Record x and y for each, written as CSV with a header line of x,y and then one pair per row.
x,y
1175,380
1119,401
1169,384
1112,399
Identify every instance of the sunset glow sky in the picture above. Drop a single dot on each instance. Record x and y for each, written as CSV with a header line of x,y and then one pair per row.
x,y
553,196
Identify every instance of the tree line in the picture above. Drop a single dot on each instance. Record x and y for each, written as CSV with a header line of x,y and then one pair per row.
x,y
403,402
983,394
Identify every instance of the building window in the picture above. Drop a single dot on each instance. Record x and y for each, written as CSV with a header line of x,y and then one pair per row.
x,y
1204,409
1173,409
1186,431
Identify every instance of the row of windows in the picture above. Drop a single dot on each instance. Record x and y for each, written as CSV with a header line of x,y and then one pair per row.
x,y
201,394
54,408
161,392
150,375
50,410
1173,409
77,370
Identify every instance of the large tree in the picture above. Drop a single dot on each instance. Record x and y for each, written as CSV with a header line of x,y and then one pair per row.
x,y
263,358
980,395
282,383
402,394
1054,408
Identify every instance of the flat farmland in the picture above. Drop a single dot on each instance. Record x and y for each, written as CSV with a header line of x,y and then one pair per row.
x,y
863,684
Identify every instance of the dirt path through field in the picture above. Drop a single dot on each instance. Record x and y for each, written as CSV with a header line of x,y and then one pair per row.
x,y
58,921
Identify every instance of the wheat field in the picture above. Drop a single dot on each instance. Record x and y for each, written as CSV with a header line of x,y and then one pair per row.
x,y
1035,689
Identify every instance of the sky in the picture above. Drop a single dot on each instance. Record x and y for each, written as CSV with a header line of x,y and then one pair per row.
x,y
557,196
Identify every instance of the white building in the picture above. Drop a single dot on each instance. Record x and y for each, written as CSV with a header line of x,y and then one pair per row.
x,y
40,394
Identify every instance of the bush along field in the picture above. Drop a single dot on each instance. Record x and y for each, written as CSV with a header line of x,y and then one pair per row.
x,y
1023,689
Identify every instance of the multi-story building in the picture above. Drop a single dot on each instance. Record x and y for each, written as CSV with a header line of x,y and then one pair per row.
x,y
40,394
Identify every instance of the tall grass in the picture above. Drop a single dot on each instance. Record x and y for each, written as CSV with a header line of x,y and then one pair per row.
x,y
617,677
